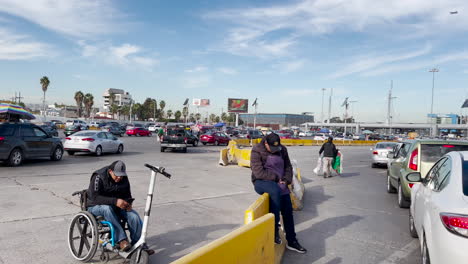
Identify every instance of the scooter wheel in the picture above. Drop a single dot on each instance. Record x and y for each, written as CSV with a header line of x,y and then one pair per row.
x,y
144,257
104,257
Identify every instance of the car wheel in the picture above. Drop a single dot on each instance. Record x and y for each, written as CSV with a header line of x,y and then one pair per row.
x,y
137,134
412,228
15,158
149,135
216,143
401,198
390,188
120,149
71,153
204,143
184,150
425,253
163,149
57,155
373,165
98,151
195,143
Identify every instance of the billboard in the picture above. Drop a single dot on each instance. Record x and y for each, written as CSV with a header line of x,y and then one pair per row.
x,y
201,102
238,105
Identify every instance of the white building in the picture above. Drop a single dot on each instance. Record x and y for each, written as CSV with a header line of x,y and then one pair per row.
x,y
120,97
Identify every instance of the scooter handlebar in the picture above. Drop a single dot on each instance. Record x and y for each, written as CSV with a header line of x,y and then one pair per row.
x,y
158,170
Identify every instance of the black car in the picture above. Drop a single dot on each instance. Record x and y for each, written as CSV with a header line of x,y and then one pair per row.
x,y
190,139
25,141
51,130
115,130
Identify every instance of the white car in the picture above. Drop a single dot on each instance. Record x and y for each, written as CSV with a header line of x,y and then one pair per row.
x,y
439,210
94,124
154,128
320,136
77,122
380,152
96,142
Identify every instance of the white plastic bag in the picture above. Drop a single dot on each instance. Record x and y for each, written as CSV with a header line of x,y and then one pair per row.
x,y
319,169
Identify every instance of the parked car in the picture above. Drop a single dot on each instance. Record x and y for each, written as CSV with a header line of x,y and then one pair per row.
x,y
76,122
94,124
154,128
132,126
190,139
50,130
114,130
138,131
439,211
216,138
380,152
26,141
306,134
69,130
321,136
250,134
415,156
174,138
57,122
96,142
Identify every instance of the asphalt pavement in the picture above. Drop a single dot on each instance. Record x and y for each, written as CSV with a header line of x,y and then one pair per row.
x,y
346,219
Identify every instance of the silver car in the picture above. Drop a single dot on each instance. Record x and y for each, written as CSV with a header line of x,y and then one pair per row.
x,y
380,152
96,142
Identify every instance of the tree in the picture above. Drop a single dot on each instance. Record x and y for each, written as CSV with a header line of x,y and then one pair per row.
x,y
88,104
45,84
162,104
192,117
149,108
79,97
212,118
137,110
224,117
197,116
114,110
217,119
125,110
169,113
177,115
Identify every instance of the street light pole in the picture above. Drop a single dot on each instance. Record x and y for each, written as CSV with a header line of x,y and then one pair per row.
x,y
323,96
433,70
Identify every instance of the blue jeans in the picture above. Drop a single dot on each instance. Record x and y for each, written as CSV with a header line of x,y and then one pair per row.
x,y
114,215
278,203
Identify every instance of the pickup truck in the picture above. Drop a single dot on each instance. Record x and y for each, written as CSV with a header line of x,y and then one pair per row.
x,y
174,138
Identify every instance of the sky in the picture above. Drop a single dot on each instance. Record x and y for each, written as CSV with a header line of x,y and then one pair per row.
x,y
281,52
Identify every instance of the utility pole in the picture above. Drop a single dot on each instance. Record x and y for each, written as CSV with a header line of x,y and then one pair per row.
x,y
323,96
329,105
389,107
433,70
255,115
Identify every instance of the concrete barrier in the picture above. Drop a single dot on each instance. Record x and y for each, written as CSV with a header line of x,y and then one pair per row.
x,y
250,244
309,142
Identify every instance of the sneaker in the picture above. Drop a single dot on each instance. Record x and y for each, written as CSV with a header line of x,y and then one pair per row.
x,y
296,247
124,245
278,240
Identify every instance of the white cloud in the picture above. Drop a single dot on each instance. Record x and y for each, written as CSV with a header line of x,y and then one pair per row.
x,y
227,71
127,55
196,69
364,63
21,47
196,81
290,66
83,18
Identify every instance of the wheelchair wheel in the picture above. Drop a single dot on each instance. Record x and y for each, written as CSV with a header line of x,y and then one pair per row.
x,y
144,257
83,236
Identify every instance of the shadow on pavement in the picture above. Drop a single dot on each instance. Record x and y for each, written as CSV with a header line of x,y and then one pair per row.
x,y
182,239
350,174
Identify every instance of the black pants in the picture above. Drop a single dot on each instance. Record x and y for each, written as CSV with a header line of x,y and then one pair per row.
x,y
278,203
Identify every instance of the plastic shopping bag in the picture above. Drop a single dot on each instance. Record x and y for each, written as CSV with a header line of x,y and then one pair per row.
x,y
338,163
319,169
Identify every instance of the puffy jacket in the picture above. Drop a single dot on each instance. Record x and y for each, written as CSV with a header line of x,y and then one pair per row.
x,y
328,149
258,158
103,190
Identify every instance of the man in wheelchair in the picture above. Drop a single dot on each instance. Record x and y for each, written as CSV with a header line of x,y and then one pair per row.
x,y
109,196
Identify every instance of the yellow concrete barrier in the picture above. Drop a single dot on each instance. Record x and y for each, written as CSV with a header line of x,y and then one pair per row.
x,y
250,244
308,142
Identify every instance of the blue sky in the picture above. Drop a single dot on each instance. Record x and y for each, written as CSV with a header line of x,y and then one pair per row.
x,y
283,52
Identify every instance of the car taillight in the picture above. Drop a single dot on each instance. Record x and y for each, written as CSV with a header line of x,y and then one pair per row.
x,y
88,139
413,162
457,224
448,146
375,152
410,185
68,138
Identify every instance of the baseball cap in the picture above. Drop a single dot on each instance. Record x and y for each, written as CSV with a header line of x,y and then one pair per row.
x,y
273,141
119,168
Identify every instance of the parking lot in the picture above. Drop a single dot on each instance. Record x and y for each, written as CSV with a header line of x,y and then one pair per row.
x,y
346,219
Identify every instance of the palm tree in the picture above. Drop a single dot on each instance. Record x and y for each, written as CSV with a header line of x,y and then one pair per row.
x,y
162,104
79,97
192,117
169,113
197,116
212,118
177,115
125,110
224,117
45,84
114,110
88,104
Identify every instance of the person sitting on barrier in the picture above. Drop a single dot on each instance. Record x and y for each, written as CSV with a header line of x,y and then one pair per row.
x,y
271,173
109,196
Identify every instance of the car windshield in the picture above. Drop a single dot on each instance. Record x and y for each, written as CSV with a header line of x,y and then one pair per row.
x,y
433,152
385,145
84,134
175,132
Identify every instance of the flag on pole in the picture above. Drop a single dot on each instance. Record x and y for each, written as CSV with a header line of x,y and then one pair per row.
x,y
465,104
255,102
186,102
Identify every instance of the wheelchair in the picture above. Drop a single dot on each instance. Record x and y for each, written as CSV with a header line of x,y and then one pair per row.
x,y
88,233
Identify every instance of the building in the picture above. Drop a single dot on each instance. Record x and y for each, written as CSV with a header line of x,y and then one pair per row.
x,y
120,98
275,121
443,119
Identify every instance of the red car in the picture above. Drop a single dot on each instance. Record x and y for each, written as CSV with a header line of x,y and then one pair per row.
x,y
287,136
216,138
138,131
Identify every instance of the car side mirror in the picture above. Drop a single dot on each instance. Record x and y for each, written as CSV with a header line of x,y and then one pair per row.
x,y
414,177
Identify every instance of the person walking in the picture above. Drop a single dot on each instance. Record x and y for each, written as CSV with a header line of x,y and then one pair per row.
x,y
271,173
329,153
